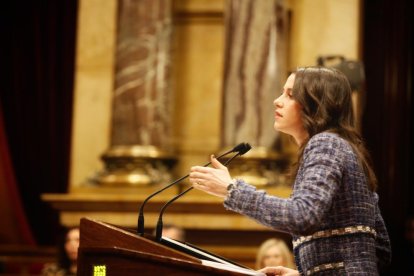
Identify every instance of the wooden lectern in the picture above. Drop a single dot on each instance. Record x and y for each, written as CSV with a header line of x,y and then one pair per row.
x,y
106,249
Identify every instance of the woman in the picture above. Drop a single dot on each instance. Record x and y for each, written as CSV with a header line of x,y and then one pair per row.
x,y
274,252
333,213
68,256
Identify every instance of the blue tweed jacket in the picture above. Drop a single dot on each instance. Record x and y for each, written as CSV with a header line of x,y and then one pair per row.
x,y
333,217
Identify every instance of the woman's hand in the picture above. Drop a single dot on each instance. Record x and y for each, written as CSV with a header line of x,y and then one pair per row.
x,y
279,270
211,180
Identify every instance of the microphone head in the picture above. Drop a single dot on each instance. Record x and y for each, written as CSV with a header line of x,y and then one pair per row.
x,y
245,148
239,147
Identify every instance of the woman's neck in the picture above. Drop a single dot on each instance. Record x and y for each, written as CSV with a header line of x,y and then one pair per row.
x,y
301,137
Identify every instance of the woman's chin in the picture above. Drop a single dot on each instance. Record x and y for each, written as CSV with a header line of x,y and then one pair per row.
x,y
276,126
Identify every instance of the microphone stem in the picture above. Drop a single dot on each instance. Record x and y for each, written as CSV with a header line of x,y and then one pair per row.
x,y
141,222
141,209
158,232
231,159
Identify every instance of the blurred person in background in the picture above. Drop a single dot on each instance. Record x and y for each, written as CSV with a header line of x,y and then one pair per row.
x,y
67,255
274,252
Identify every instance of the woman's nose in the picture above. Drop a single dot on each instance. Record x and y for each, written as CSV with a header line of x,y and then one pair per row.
x,y
277,102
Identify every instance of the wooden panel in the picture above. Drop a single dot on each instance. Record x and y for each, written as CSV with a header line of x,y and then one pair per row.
x,y
122,252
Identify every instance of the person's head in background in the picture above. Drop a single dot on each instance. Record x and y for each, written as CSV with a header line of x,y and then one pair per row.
x,y
68,250
274,252
173,231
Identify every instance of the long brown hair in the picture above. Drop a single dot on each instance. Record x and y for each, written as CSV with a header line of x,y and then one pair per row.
x,y
325,97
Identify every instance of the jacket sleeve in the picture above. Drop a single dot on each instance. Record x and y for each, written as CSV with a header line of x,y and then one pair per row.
x,y
312,196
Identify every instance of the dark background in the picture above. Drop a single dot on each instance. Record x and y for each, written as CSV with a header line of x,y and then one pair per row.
x,y
37,75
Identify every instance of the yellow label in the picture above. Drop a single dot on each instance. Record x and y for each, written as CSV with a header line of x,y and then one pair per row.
x,y
99,270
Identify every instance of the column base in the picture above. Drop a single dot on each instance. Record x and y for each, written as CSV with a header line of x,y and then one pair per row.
x,y
135,166
261,167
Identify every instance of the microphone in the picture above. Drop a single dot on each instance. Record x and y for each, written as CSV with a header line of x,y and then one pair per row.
x,y
158,233
140,226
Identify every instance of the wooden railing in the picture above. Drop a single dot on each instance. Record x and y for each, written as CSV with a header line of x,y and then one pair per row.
x,y
24,259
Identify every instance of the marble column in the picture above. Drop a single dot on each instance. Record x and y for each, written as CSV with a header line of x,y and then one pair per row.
x,y
255,72
141,128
